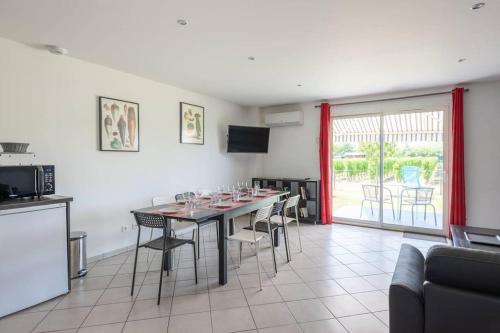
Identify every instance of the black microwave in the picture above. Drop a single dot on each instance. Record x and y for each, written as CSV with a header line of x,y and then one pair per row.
x,y
26,181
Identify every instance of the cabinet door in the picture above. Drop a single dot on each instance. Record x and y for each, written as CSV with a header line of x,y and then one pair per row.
x,y
33,257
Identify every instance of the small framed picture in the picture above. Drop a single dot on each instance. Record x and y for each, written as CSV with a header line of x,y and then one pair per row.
x,y
192,124
118,125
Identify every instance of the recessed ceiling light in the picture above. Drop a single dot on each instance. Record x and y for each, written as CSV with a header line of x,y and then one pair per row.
x,y
462,59
478,5
57,50
182,22
251,58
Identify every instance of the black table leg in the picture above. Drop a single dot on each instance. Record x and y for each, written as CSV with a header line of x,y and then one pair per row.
x,y
231,226
222,250
167,263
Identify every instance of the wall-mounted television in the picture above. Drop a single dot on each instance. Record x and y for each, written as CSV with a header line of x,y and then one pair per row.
x,y
245,139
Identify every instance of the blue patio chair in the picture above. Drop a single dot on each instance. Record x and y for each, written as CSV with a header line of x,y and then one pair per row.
x,y
411,176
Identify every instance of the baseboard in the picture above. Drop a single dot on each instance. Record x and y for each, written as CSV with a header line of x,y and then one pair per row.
x,y
110,253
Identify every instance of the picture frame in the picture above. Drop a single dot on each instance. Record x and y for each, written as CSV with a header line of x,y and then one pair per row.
x,y
192,124
118,125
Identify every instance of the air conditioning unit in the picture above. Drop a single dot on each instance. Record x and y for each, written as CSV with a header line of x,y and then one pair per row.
x,y
294,118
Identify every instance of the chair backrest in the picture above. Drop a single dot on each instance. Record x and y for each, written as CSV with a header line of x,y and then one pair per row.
x,y
278,208
180,196
262,214
411,176
157,201
150,220
371,192
424,195
420,196
292,201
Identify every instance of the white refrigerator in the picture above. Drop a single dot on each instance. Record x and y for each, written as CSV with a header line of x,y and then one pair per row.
x,y
33,256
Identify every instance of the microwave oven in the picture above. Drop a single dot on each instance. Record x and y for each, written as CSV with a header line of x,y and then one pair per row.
x,y
26,181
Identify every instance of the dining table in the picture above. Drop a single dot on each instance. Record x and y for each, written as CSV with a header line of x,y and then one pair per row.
x,y
224,212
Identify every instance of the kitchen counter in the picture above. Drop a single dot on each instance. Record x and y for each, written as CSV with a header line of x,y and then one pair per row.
x,y
29,202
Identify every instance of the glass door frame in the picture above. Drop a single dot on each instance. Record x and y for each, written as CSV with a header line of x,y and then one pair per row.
x,y
391,226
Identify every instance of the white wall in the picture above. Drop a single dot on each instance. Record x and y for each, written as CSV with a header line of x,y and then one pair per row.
x,y
482,154
294,150
51,102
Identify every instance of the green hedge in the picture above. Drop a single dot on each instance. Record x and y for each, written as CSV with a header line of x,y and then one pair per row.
x,y
356,167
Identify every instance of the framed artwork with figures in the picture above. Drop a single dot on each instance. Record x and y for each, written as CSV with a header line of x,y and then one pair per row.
x,y
118,125
192,124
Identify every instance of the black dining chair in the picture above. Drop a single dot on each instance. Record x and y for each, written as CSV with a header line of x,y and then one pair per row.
x,y
164,243
180,197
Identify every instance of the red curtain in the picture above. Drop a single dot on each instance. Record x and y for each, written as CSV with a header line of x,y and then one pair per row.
x,y
457,184
325,159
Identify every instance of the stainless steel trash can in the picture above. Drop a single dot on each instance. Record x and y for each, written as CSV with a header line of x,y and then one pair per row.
x,y
78,253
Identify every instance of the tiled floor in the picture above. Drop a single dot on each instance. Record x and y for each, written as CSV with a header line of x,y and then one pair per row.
x,y
337,284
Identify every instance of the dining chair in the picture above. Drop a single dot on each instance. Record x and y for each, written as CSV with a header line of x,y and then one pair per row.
x,y
165,243
179,198
415,197
371,194
269,228
178,228
284,219
254,236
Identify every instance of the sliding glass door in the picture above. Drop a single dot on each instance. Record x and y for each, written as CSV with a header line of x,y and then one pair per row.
x,y
389,170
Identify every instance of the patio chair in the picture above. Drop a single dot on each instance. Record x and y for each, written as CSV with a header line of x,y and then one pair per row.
x,y
411,176
421,196
371,193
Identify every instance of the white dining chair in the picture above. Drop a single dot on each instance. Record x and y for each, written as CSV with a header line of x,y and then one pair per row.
x,y
283,220
253,236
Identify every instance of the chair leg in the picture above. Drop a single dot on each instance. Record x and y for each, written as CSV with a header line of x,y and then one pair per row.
x,y
286,244
258,264
435,220
361,210
288,237
298,228
371,206
273,253
393,215
425,212
195,264
161,277
150,238
240,250
135,260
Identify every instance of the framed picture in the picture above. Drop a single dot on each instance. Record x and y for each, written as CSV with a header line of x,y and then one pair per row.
x,y
118,125
192,124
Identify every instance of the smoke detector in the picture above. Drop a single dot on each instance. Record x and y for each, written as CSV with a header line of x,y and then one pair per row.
x,y
57,50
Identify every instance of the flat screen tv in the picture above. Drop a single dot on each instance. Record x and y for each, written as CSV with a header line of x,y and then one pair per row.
x,y
245,139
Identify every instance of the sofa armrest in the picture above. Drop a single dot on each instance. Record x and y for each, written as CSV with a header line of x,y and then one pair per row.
x,y
461,268
406,302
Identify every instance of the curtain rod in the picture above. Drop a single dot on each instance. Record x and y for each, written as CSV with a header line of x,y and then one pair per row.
x,y
393,98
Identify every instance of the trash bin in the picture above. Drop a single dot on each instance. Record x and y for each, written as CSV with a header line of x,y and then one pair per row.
x,y
78,253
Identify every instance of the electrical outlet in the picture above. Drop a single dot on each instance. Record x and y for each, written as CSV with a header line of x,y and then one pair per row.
x,y
124,228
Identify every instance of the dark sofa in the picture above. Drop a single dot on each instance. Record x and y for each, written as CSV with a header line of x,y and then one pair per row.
x,y
453,290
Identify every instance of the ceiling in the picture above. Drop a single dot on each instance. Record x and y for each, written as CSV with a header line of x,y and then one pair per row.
x,y
333,48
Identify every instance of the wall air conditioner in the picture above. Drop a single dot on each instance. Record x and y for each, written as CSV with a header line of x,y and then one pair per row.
x,y
294,118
